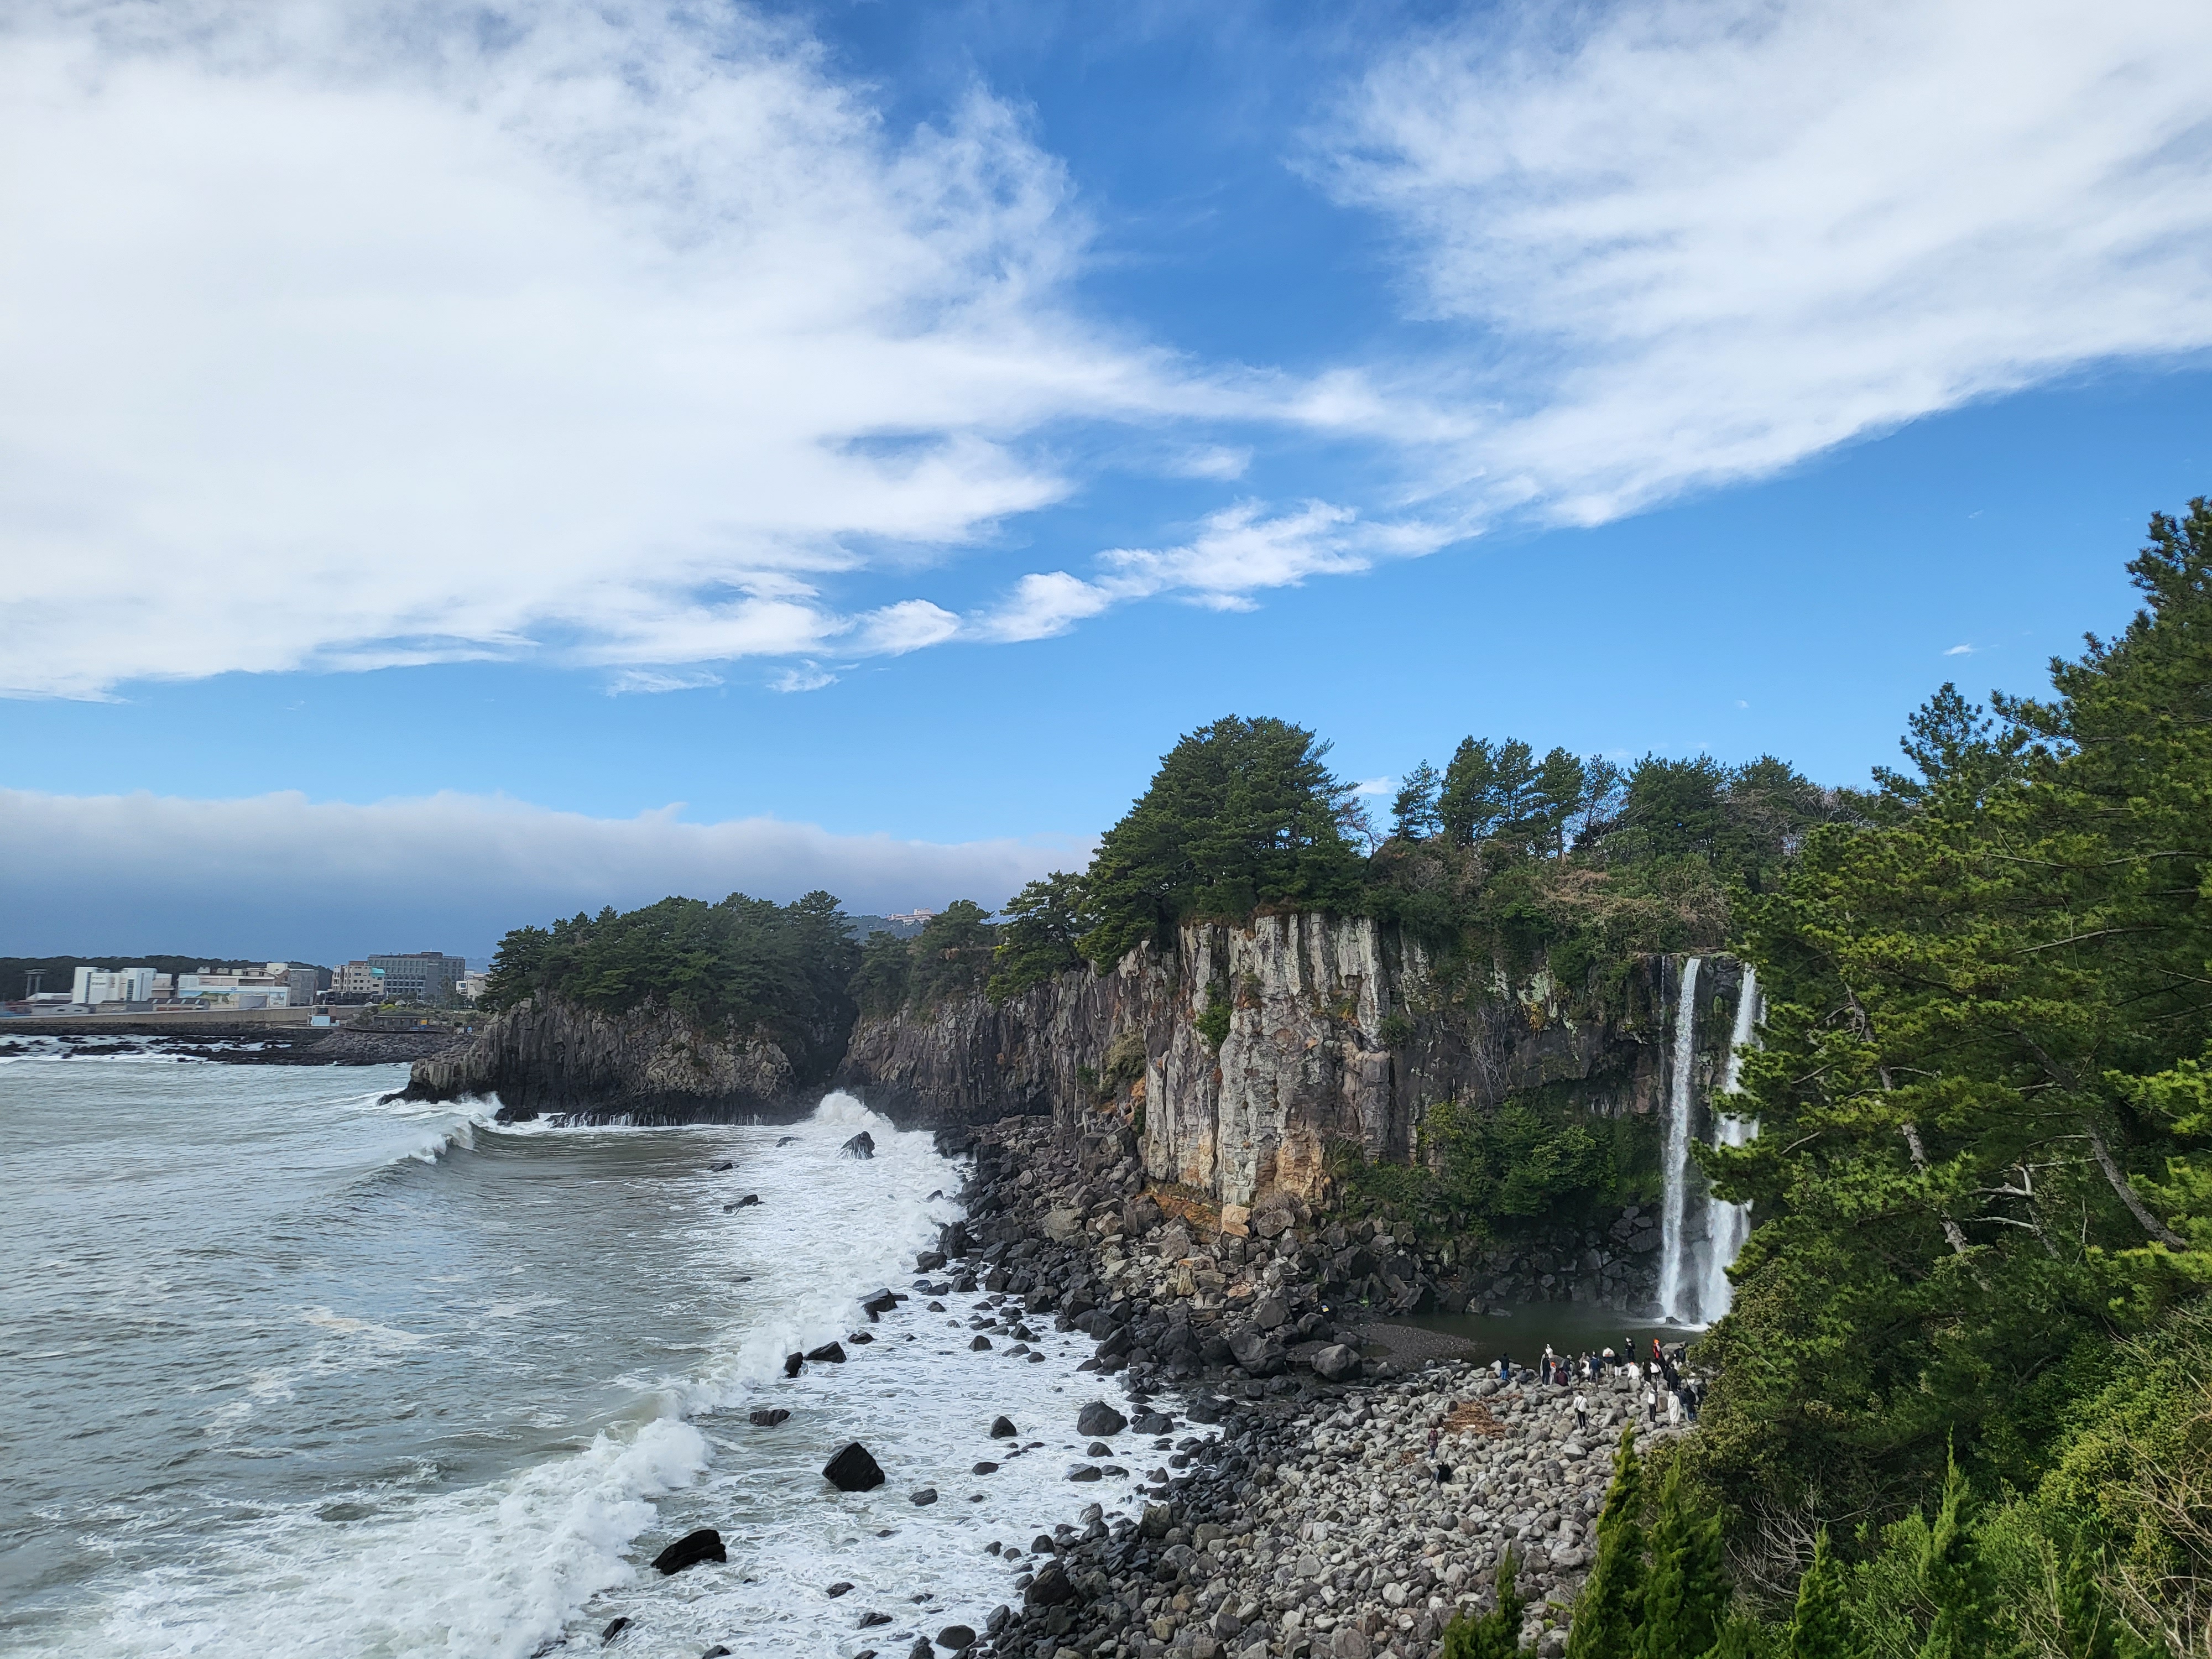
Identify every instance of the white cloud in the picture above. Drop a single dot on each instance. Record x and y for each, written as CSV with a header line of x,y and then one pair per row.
x,y
279,875
1238,551
1376,786
1703,241
355,333
1960,651
806,677
631,681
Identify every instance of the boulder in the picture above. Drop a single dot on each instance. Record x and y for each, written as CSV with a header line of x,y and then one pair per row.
x,y
1149,1421
1051,1586
1158,1517
767,1417
985,1468
614,1627
1061,1224
1271,1310
785,1140
828,1353
871,1619
981,1344
1236,1220
1002,1428
956,1639
689,1550
1337,1363
745,1203
1139,1215
929,1261
1100,1419
1204,1408
1256,1351
923,1499
842,1587
862,1145
880,1302
853,1469
718,1168
792,1362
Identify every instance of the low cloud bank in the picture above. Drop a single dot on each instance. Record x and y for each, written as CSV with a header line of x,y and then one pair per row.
x,y
280,876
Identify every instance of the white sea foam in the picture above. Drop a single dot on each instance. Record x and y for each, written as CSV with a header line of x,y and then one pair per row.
x,y
554,1548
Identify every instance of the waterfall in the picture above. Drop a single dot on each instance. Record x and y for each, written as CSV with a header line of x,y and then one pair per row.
x,y
1674,1247
1729,1225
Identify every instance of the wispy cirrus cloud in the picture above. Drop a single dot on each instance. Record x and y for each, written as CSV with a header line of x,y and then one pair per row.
x,y
1691,243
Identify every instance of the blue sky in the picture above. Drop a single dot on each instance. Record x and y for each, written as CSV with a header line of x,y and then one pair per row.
x,y
472,472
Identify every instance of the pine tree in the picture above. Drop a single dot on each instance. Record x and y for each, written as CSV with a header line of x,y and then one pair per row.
x,y
1611,1604
1413,812
1496,1634
1685,1596
1820,1628
1956,1583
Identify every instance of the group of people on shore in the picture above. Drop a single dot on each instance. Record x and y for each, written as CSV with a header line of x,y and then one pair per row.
x,y
1658,1383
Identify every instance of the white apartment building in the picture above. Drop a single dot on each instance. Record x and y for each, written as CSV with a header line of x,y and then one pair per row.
x,y
94,986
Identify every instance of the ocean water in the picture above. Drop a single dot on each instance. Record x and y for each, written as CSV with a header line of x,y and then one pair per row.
x,y
286,1370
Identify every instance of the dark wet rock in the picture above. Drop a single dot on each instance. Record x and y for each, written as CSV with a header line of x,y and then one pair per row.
x,y
1051,1587
860,1338
1256,1351
1098,1449
1000,1617
718,1651
853,1469
985,1468
723,1166
929,1261
828,1353
1204,1408
1158,1517
689,1550
745,1203
981,1344
792,1362
767,1417
614,1627
1085,1472
1337,1363
840,1588
862,1145
1002,1428
1151,1422
880,1302
955,1637
871,1619
1100,1419
785,1140
923,1499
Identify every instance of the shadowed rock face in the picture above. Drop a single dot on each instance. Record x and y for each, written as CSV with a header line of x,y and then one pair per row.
x,y
1338,1031
648,1065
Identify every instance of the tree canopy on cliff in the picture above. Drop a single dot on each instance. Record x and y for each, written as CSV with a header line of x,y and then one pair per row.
x,y
1986,1095
748,964
1242,814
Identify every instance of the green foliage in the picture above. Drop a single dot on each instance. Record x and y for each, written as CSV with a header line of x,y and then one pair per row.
x,y
879,984
1212,1021
746,964
1957,1583
952,955
1685,1591
1497,1633
1413,810
1523,1165
1396,1030
1037,934
1611,1605
1241,813
1984,1141
1819,1627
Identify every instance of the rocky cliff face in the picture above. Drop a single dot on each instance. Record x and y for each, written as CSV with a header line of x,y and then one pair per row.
x,y
647,1066
1338,1030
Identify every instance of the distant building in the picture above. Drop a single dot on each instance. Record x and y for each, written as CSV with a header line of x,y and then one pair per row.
x,y
94,986
917,917
470,985
301,984
353,980
430,977
209,989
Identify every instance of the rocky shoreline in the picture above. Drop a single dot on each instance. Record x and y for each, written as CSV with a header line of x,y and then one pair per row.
x,y
233,1045
1314,1522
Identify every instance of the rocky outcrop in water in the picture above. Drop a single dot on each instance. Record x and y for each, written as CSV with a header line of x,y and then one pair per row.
x,y
647,1066
1338,1031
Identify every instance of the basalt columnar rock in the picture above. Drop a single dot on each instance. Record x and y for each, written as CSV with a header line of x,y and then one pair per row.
x,y
1341,1030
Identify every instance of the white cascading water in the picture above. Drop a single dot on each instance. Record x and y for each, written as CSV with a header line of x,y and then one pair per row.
x,y
1727,1225
1675,1279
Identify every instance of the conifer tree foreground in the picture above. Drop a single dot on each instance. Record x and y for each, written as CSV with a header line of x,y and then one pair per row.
x,y
1956,1581
1686,1595
1611,1605
1820,1628
1496,1634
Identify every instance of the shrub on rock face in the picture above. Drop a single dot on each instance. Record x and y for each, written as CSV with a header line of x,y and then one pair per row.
x,y
689,1550
853,1469
1100,1419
